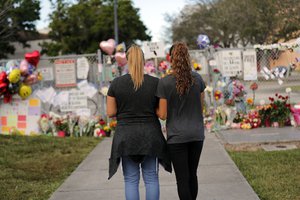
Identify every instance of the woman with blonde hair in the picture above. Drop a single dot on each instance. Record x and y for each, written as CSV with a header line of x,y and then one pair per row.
x,y
181,100
138,141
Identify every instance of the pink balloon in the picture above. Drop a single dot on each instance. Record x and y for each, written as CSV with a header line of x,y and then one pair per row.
x,y
121,59
108,46
31,79
24,67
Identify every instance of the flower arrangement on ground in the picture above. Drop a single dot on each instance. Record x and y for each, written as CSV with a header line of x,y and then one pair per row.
x,y
280,111
73,125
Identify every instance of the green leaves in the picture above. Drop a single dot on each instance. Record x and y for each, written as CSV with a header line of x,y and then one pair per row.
x,y
79,28
234,22
17,18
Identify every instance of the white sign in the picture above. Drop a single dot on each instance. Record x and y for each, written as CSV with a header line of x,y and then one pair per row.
x,y
82,68
154,49
47,73
77,100
250,65
198,57
230,62
65,73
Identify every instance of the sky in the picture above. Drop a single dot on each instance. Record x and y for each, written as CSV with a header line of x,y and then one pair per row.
x,y
151,12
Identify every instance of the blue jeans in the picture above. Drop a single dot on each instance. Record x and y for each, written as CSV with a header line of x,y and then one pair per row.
x,y
131,172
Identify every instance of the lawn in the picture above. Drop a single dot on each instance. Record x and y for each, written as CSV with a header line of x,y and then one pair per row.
x,y
34,167
273,175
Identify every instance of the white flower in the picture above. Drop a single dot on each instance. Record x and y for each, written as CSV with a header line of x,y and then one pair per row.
x,y
208,89
104,90
288,90
262,102
219,84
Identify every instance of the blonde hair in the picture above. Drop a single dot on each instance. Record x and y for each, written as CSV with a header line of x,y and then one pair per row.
x,y
136,62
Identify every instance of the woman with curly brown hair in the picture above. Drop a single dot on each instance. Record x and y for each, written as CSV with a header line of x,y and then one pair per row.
x,y
181,100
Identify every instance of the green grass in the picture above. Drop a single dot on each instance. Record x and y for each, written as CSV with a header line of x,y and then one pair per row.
x,y
34,167
295,88
273,175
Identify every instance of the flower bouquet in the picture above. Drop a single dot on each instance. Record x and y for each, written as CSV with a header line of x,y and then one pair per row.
x,y
280,110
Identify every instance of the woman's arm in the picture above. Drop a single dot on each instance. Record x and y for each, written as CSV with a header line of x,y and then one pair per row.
x,y
202,99
111,106
161,111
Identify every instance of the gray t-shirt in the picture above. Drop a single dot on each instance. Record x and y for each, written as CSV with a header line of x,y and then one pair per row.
x,y
184,114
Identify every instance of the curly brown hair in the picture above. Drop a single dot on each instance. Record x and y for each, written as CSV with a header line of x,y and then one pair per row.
x,y
181,65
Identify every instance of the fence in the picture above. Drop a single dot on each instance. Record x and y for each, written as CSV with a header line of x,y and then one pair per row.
x,y
95,103
103,69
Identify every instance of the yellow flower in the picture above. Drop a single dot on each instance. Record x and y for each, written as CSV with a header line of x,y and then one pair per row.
x,y
106,128
250,101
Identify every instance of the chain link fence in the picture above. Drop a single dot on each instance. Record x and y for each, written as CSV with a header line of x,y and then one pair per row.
x,y
95,104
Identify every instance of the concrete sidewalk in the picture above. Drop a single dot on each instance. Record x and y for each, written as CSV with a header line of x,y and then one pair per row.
x,y
260,135
219,178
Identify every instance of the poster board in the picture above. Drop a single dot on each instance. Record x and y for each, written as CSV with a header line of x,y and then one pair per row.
x,y
83,68
65,75
153,49
250,65
75,100
230,62
20,114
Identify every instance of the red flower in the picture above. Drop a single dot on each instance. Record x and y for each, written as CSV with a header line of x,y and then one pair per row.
x,y
271,99
286,97
44,116
102,122
276,94
216,71
253,86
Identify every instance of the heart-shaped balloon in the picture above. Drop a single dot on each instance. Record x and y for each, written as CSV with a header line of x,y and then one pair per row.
x,y
33,57
121,58
108,46
24,65
31,79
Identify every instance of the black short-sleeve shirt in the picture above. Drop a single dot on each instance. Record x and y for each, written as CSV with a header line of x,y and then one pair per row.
x,y
134,106
184,114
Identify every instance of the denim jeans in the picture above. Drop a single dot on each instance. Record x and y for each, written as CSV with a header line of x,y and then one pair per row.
x,y
131,172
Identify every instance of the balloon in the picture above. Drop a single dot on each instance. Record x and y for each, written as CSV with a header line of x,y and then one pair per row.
x,y
25,91
202,41
13,88
121,58
121,47
24,67
12,64
33,57
31,79
14,76
108,46
3,83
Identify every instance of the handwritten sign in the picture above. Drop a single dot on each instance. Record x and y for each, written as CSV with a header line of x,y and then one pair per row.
x,y
65,73
20,114
82,68
250,65
76,100
230,62
153,49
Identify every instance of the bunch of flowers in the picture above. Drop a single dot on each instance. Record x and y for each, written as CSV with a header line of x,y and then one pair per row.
x,y
251,120
264,112
238,89
102,128
280,111
218,95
